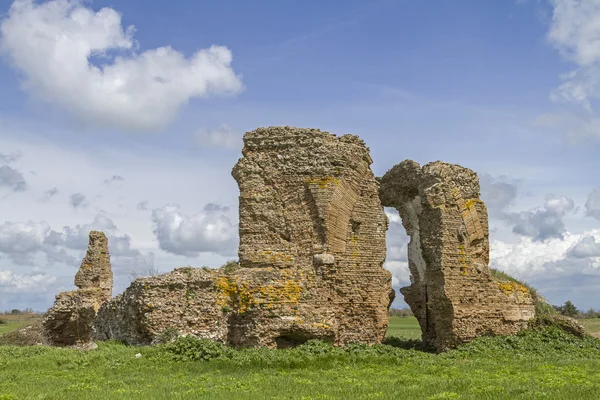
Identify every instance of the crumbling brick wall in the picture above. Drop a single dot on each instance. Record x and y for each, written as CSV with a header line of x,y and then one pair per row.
x,y
310,211
312,247
452,292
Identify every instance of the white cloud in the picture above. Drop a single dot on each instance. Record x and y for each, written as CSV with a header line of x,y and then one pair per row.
x,y
528,258
575,32
586,247
545,222
222,137
592,205
400,273
15,283
20,240
208,231
52,43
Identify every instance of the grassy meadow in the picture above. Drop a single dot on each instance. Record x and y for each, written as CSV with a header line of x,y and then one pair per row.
x,y
548,364
10,323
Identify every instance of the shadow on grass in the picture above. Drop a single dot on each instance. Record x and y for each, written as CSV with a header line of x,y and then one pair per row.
x,y
408,344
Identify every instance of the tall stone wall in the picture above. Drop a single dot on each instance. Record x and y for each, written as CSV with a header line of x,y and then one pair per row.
x,y
312,247
69,322
310,215
452,293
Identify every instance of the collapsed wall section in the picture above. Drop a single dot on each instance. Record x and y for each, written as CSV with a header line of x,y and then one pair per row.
x,y
452,292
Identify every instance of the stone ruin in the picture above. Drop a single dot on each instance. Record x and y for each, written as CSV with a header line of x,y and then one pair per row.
x,y
312,247
452,293
70,320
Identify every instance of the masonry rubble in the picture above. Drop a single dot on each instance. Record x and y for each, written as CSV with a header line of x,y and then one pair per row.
x,y
452,293
312,246
70,320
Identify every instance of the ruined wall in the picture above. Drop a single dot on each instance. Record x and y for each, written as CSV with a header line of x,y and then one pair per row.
x,y
183,300
69,322
452,292
312,247
310,214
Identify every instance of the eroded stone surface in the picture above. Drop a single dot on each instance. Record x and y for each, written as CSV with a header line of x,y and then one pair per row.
x,y
184,300
452,292
95,271
312,247
70,320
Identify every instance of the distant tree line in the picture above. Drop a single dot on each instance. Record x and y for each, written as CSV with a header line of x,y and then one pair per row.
x,y
16,311
568,309
401,312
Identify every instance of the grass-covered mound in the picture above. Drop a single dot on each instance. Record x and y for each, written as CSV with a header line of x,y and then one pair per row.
x,y
542,307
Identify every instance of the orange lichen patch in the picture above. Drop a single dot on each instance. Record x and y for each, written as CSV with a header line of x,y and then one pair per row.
x,y
509,288
323,182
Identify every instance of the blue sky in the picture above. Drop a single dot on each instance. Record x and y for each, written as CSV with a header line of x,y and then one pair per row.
x,y
100,130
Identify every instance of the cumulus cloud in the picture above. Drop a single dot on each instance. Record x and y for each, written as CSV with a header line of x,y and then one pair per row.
x,y
222,137
397,250
592,204
575,32
189,235
15,283
21,240
543,223
586,247
77,237
12,179
77,200
400,273
561,257
396,238
53,44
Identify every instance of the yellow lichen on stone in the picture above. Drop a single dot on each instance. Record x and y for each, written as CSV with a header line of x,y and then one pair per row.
x,y
509,288
320,325
463,259
277,257
323,182
240,296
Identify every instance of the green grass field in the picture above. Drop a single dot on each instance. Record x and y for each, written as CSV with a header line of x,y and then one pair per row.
x,y
543,365
591,325
14,322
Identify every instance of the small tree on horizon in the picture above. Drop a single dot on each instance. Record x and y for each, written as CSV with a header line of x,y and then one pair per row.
x,y
568,309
